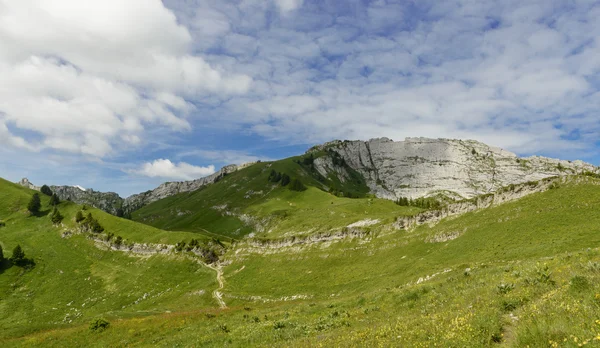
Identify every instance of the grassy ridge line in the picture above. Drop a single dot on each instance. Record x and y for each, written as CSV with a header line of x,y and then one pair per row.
x,y
74,281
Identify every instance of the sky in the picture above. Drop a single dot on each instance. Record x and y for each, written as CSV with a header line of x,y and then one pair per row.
x,y
124,95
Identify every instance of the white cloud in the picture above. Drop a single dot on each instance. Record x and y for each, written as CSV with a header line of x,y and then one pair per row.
x,y
164,168
88,76
288,5
224,156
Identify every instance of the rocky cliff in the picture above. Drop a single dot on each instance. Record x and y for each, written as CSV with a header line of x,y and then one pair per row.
x,y
420,167
114,204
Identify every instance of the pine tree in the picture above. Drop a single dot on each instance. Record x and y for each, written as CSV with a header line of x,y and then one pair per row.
x,y
54,200
18,255
46,190
34,204
285,179
79,217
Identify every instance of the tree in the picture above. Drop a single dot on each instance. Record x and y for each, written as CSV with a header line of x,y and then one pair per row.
x,y
54,200
34,204
79,217
285,179
46,190
56,217
1,254
18,255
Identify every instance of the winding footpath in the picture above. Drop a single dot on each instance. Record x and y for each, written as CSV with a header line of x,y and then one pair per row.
x,y
217,293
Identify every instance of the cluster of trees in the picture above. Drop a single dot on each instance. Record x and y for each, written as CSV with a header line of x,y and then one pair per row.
x,y
89,223
277,177
424,203
285,180
35,205
17,258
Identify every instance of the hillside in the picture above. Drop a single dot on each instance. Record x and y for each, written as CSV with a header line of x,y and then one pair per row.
x,y
520,273
247,202
76,279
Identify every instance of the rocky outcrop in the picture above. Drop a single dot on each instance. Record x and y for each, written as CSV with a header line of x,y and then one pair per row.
x,y
114,204
420,167
504,195
110,202
26,183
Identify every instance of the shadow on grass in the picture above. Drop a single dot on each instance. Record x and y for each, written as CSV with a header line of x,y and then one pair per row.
x,y
7,264
41,213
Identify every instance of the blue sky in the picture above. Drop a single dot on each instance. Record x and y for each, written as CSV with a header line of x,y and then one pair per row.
x,y
123,95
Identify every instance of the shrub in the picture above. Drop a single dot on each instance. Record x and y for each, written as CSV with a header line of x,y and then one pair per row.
x,y
34,204
99,325
285,179
2,223
109,236
46,190
1,254
278,325
118,241
180,246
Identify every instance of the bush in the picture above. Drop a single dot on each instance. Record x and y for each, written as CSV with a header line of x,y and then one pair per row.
x,y
99,325
1,254
34,204
285,179
56,217
46,190
2,223
118,241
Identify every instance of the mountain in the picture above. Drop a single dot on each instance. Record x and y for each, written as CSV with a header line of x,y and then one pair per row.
x,y
414,168
419,167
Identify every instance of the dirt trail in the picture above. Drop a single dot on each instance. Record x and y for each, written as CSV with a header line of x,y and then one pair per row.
x,y
217,293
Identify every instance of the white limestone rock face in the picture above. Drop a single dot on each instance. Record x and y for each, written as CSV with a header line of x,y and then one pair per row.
x,y
419,167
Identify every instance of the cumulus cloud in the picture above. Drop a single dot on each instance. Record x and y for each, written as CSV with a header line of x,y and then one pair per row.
x,y
164,168
86,77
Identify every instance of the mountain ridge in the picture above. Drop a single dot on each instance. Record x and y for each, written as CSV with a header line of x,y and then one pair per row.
x,y
413,168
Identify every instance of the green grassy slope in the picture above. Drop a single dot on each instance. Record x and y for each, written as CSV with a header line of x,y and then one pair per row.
x,y
246,202
74,281
522,273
